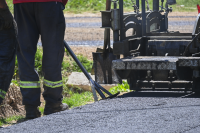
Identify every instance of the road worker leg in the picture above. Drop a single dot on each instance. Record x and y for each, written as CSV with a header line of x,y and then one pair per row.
x,y
8,44
51,23
52,27
28,35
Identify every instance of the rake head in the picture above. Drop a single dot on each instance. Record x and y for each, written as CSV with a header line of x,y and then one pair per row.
x,y
96,87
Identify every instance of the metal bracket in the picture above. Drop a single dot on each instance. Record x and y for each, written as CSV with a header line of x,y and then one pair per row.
x,y
110,19
106,19
115,19
121,48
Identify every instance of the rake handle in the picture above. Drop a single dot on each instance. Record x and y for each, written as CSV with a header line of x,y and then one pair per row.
x,y
77,61
97,87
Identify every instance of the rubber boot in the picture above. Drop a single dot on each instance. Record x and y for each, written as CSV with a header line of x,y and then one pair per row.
x,y
55,107
32,112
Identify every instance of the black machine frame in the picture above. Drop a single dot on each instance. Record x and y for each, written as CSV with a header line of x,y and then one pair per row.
x,y
153,57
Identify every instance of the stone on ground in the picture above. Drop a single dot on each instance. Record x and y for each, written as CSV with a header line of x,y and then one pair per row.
x,y
78,79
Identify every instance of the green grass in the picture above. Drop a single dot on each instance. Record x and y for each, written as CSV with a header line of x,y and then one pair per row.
x,y
99,5
79,6
78,99
10,4
10,120
124,87
41,110
38,60
189,6
70,65
84,61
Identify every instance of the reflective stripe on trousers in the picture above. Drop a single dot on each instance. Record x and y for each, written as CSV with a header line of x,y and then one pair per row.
x,y
30,84
53,84
2,93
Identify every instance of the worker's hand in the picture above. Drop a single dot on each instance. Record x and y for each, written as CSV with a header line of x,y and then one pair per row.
x,y
7,17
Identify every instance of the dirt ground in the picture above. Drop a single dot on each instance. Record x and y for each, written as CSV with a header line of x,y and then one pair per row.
x,y
84,50
99,14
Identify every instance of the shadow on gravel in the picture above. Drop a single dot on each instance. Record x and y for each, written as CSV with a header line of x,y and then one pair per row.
x,y
161,94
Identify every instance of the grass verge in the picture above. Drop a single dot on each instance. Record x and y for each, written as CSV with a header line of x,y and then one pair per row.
x,y
124,87
10,120
78,99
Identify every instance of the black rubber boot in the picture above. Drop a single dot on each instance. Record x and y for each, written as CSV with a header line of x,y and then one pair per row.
x,y
32,112
54,107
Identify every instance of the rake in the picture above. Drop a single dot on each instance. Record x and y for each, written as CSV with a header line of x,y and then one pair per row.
x,y
94,85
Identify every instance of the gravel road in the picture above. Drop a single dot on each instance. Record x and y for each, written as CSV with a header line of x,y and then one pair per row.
x,y
98,24
135,112
91,34
86,31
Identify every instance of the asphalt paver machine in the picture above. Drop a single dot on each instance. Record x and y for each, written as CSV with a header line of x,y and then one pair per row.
x,y
154,58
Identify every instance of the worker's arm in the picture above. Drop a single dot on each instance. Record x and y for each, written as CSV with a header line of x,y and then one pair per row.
x,y
6,15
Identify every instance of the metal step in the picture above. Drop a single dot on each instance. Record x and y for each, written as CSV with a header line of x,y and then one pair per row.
x,y
155,62
146,63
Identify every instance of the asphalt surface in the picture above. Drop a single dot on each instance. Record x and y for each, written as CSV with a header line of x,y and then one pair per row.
x,y
146,112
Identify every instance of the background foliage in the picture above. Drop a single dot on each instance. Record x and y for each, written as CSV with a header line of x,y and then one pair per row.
x,y
78,6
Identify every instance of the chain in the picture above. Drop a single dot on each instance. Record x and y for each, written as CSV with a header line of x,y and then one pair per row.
x,y
136,9
147,5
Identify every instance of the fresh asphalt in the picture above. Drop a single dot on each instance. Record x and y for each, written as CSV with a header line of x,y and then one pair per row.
x,y
135,112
